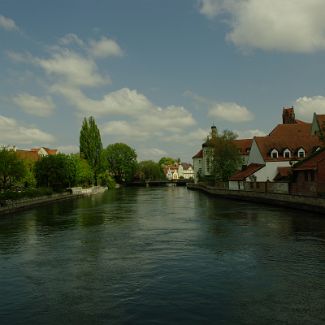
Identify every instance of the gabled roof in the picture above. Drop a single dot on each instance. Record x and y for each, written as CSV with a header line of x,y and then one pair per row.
x,y
198,155
27,154
248,171
310,163
244,146
320,120
291,136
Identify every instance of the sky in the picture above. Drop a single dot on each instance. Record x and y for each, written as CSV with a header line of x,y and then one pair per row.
x,y
156,74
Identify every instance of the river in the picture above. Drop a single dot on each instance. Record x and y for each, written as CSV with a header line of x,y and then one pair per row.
x,y
161,256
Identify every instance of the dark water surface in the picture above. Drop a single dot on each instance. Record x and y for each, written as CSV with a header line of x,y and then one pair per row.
x,y
162,256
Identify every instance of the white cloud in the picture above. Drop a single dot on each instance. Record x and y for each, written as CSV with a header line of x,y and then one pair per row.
x,y
196,136
11,132
249,134
105,47
231,112
124,101
151,154
7,23
73,68
71,39
210,8
124,130
39,106
288,26
305,107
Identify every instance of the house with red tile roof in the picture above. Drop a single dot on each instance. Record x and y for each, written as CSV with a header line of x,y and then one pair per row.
x,y
201,160
34,154
287,143
179,171
309,175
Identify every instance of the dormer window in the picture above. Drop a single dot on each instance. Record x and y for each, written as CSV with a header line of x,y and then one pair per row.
x,y
301,153
287,153
274,154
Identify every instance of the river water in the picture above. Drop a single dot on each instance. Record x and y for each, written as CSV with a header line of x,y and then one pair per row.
x,y
162,256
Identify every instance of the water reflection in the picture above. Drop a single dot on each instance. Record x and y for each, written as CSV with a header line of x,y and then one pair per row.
x,y
161,255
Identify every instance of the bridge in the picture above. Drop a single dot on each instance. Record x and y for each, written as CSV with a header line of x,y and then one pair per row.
x,y
149,183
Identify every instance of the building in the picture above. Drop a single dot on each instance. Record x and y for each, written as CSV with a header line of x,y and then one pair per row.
x,y
308,176
34,154
179,171
201,160
287,143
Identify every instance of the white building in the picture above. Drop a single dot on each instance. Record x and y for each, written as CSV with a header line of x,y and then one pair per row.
x,y
275,153
201,161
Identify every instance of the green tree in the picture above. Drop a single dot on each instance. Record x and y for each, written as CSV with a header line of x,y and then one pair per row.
x,y
91,145
55,171
121,161
166,161
150,170
12,169
105,179
224,156
84,174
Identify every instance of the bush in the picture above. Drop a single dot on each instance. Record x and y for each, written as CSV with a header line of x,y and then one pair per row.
x,y
105,179
28,193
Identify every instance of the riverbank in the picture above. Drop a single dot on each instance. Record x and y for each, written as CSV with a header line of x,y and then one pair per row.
x,y
313,204
13,206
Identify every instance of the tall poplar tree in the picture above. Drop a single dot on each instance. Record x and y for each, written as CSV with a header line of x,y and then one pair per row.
x,y
91,145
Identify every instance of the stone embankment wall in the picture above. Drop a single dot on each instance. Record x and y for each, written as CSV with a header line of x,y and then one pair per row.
x,y
13,206
314,204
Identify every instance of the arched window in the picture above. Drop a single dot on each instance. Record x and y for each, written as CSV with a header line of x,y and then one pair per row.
x,y
286,153
274,153
301,153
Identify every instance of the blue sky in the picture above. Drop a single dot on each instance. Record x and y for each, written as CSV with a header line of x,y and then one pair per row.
x,y
156,74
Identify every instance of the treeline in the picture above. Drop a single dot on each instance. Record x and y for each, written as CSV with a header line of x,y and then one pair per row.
x,y
94,165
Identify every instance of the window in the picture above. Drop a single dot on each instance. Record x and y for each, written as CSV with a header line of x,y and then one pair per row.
x,y
286,153
274,153
301,153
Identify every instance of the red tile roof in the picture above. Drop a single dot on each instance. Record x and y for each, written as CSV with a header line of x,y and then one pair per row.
x,y
310,163
288,136
321,120
27,154
199,154
244,146
248,171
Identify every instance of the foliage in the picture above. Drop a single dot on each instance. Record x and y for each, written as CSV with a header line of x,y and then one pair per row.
x,y
105,179
55,171
121,161
84,174
12,169
166,161
27,193
29,180
224,155
91,145
150,170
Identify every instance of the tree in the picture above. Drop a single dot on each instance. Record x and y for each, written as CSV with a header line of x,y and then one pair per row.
x,y
150,170
91,145
55,171
224,156
84,174
166,161
12,169
121,161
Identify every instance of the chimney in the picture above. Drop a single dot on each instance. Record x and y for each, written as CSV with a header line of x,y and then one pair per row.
x,y
288,115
